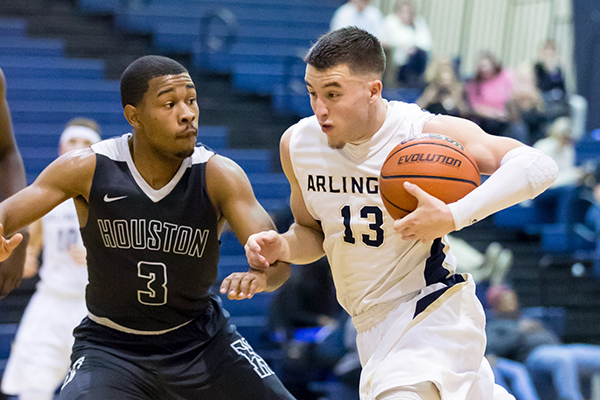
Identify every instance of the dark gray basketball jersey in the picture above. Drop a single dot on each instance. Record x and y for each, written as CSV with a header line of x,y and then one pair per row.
x,y
152,254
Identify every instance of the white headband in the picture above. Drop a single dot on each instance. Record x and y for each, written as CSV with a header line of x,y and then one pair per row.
x,y
77,131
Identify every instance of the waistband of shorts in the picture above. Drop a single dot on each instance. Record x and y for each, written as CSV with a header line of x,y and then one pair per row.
x,y
113,325
377,314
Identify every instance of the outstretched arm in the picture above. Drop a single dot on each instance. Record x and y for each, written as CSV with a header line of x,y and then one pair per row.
x,y
68,176
12,179
231,193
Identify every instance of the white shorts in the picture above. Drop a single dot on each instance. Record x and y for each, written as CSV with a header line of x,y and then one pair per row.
x,y
40,355
444,344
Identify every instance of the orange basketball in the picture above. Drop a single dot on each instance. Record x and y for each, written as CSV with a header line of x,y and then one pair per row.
x,y
437,164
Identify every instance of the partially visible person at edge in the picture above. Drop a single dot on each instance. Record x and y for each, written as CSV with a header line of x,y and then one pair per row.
x,y
39,362
12,179
420,326
151,206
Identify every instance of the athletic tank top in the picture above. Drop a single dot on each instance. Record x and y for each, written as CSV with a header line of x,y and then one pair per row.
x,y
152,254
370,263
59,272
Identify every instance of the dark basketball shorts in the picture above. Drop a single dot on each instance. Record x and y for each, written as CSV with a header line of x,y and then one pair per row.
x,y
207,359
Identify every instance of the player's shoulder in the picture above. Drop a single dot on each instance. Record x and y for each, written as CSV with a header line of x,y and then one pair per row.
x,y
115,148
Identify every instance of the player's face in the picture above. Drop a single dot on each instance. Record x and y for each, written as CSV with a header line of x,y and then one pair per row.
x,y
168,114
341,102
74,143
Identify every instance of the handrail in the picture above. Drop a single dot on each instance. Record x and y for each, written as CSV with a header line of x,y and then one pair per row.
x,y
215,43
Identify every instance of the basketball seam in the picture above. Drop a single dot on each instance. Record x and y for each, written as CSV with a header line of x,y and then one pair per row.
x,y
392,203
446,178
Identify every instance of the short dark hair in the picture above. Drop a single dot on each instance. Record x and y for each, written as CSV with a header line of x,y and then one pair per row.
x,y
135,78
352,46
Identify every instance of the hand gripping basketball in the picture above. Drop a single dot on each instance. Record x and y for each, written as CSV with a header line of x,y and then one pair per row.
x,y
439,165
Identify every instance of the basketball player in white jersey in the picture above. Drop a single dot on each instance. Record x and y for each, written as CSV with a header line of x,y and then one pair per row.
x,y
420,326
12,179
39,359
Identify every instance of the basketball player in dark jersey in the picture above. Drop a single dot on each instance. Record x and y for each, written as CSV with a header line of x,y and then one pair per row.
x,y
12,179
151,206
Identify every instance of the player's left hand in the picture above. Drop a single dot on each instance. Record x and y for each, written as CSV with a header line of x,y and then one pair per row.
x,y
430,220
78,254
244,285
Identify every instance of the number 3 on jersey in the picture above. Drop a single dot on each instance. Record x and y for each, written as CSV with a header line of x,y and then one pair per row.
x,y
155,275
374,214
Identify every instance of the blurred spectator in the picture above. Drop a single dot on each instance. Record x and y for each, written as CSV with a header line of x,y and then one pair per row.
x,y
487,93
359,13
305,318
410,40
592,222
514,377
491,266
556,203
550,79
443,93
308,322
525,108
527,340
551,82
38,363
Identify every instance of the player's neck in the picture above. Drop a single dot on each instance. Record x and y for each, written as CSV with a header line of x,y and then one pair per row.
x,y
379,113
156,169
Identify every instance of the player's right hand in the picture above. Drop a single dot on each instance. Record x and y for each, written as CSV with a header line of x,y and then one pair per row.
x,y
11,273
263,249
8,245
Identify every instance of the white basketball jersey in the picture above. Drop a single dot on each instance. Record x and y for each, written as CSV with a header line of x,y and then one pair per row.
x,y
59,272
370,263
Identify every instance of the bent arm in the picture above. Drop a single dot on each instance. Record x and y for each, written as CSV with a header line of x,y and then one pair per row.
x,y
517,172
231,193
66,177
303,242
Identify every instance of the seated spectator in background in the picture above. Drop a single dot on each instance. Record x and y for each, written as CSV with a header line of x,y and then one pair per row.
x,y
514,377
491,266
551,82
527,340
525,108
39,363
409,38
359,13
307,301
556,203
443,93
487,93
592,222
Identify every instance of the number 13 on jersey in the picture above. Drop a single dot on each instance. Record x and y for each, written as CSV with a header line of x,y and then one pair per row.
x,y
373,215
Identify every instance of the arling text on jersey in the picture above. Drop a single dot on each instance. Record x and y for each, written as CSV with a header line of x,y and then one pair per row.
x,y
343,184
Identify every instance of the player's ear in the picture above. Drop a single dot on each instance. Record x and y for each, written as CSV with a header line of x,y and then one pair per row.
x,y
132,116
375,88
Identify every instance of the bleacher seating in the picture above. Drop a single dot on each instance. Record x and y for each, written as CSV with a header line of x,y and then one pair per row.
x,y
45,89
263,36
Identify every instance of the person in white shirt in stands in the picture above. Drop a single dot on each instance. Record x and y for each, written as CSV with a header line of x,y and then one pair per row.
x,y
359,13
409,38
40,355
